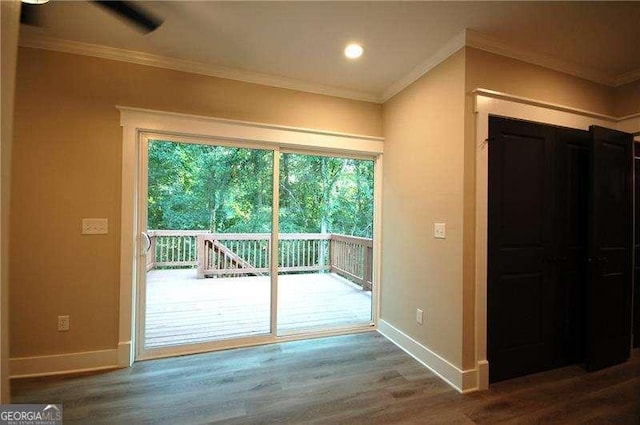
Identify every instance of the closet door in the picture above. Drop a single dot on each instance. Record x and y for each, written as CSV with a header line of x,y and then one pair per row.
x,y
520,270
572,200
609,291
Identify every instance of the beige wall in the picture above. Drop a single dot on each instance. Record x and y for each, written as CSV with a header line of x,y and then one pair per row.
x,y
490,71
627,99
9,18
67,164
429,176
423,184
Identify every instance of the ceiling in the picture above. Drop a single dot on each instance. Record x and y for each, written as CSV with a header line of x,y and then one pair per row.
x,y
299,44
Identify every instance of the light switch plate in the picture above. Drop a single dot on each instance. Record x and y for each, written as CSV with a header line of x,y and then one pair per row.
x,y
95,226
439,230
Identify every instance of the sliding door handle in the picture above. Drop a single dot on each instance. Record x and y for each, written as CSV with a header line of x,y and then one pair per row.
x,y
147,240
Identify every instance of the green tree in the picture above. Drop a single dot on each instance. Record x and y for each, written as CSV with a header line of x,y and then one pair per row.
x,y
224,189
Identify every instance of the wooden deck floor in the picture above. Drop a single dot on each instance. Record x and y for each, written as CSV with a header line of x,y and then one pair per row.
x,y
181,309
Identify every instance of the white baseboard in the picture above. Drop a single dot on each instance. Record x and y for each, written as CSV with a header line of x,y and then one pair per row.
x,y
58,364
483,375
462,380
125,355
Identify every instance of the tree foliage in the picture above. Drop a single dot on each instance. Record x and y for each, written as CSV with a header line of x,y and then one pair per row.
x,y
225,189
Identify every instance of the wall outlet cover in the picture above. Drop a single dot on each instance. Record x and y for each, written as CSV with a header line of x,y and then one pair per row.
x,y
95,226
63,323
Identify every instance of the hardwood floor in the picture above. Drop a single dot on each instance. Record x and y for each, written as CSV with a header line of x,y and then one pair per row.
x,y
184,310
355,379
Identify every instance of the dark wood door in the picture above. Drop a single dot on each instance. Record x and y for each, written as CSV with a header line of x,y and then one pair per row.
x,y
570,259
636,308
520,289
610,288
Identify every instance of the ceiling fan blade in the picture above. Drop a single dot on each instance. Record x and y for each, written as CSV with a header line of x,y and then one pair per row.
x,y
130,12
30,14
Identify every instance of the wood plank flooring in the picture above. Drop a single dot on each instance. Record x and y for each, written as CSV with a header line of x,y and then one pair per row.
x,y
354,379
184,310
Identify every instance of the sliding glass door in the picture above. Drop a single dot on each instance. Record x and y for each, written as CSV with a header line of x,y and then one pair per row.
x,y
208,277
325,250
208,229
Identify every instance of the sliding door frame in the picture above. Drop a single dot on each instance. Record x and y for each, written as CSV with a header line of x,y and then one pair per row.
x,y
143,353
139,126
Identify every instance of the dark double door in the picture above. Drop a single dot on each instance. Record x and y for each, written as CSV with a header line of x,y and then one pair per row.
x,y
559,263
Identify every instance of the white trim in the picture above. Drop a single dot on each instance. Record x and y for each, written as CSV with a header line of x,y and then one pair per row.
x,y
377,237
627,77
630,124
125,355
37,41
448,49
541,103
490,44
142,211
243,131
128,247
462,380
59,364
140,123
487,103
470,38
275,241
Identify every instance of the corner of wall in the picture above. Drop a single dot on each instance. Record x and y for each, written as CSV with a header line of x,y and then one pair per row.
x,y
424,183
627,99
464,381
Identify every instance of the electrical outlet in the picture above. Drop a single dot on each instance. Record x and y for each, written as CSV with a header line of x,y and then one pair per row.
x,y
95,226
419,316
63,323
439,230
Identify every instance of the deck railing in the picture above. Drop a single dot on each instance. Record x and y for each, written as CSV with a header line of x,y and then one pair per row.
x,y
352,257
245,254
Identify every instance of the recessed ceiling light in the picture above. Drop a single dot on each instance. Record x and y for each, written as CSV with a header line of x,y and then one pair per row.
x,y
353,51
35,1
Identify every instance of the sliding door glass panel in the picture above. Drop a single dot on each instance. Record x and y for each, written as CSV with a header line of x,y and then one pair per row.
x,y
209,224
325,248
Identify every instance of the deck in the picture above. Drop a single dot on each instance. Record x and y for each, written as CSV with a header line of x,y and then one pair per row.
x,y
181,309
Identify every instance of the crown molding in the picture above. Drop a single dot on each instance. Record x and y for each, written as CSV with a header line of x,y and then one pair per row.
x,y
484,42
448,49
499,47
628,77
467,38
37,41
